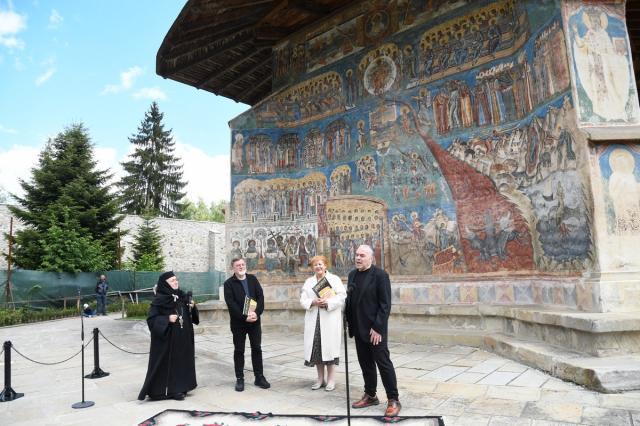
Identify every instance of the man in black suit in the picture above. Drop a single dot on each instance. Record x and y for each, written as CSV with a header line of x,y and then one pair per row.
x,y
368,308
236,288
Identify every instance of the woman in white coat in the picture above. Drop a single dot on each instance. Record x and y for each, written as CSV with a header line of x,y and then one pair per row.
x,y
322,323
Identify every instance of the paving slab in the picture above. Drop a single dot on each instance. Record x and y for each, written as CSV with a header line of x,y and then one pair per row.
x,y
530,398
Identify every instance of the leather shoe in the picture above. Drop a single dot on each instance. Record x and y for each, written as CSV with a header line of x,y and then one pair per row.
x,y
317,385
179,396
393,408
366,401
261,382
239,385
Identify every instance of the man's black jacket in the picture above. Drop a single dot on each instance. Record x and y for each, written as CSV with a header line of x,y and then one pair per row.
x,y
234,297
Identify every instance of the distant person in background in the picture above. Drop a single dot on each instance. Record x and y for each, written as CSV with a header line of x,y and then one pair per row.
x,y
322,322
87,311
171,372
102,287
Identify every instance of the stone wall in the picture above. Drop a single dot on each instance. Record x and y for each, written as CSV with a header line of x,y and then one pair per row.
x,y
188,245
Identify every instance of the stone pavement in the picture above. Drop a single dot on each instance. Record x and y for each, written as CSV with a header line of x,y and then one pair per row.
x,y
465,385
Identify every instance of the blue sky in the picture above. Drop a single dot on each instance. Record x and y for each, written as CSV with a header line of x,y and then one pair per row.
x,y
93,61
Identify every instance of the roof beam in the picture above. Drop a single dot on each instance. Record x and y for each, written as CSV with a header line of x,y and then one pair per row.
x,y
225,70
311,7
277,8
212,52
186,46
221,19
232,4
268,32
248,72
248,94
216,27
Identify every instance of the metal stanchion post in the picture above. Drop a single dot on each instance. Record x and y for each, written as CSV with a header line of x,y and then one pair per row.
x,y
97,371
83,403
8,394
346,367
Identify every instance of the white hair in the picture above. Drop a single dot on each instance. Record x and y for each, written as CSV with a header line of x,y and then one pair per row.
x,y
367,248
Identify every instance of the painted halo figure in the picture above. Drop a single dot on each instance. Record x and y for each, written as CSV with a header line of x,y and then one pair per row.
x,y
322,321
171,372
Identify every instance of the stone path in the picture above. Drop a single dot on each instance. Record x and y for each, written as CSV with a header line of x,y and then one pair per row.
x,y
465,385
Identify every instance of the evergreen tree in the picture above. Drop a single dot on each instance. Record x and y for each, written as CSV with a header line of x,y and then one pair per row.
x,y
153,176
66,248
67,201
147,248
199,211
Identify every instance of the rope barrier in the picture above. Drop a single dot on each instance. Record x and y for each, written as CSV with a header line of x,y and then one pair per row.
x,y
50,363
119,348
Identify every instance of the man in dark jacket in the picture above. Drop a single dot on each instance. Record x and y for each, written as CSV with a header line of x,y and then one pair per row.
x,y
245,302
368,308
102,287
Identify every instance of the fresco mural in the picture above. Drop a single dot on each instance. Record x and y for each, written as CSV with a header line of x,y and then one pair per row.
x,y
620,170
442,133
602,65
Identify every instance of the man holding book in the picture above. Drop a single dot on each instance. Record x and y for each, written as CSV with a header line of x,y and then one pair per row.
x,y
245,302
367,312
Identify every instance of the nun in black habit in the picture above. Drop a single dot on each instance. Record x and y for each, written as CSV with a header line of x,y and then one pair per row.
x,y
172,371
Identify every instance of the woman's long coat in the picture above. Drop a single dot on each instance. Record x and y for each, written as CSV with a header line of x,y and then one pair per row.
x,y
330,318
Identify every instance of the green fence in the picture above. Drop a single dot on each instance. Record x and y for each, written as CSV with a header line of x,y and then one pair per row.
x,y
37,288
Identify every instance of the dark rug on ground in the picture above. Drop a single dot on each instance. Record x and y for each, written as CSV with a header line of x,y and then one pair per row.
x,y
212,418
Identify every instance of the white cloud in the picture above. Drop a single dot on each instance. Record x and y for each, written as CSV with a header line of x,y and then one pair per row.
x,y
11,23
207,176
8,130
44,77
55,19
151,93
127,79
17,162
11,42
107,158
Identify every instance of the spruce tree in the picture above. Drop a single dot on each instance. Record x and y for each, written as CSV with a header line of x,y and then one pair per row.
x,y
67,198
153,176
147,248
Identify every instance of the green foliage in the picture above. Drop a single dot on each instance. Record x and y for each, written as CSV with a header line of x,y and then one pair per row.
x,y
147,248
67,206
153,176
137,309
199,211
25,315
65,249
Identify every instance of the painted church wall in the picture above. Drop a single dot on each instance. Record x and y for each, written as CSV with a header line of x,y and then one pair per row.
x,y
601,69
442,133
619,205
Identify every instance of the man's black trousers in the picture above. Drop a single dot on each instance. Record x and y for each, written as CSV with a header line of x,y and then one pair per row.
x,y
370,356
254,332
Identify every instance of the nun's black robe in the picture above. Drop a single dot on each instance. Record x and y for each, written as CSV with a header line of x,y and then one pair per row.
x,y
171,368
